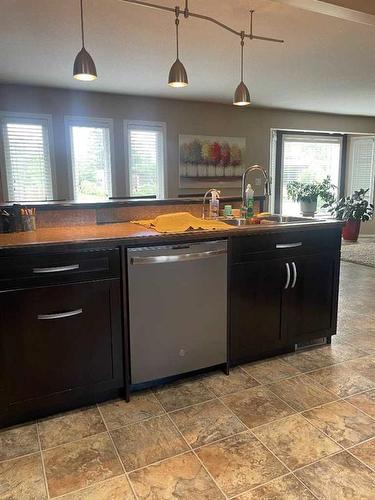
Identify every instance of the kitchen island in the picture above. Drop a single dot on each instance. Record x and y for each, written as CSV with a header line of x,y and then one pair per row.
x,y
64,323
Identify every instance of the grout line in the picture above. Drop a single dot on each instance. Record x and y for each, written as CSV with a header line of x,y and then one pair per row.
x,y
197,457
117,453
102,481
42,458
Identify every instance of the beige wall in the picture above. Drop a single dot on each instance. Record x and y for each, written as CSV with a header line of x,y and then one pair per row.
x,y
181,117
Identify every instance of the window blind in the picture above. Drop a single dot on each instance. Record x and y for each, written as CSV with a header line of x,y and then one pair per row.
x,y
362,169
146,160
91,162
27,160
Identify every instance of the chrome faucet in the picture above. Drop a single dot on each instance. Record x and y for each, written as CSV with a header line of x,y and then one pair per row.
x,y
212,190
267,183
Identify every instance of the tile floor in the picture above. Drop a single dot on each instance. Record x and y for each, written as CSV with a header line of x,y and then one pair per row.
x,y
301,426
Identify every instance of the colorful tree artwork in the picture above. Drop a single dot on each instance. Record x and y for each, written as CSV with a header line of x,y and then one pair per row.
x,y
211,157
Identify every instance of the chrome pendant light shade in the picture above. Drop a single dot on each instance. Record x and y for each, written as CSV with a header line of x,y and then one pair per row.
x,y
242,95
177,74
84,67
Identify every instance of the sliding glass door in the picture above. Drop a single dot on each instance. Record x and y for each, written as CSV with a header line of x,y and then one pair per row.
x,y
305,158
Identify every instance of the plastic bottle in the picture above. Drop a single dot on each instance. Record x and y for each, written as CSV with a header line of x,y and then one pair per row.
x,y
214,205
249,197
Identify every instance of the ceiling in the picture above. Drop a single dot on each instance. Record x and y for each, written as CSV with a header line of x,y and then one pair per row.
x,y
325,65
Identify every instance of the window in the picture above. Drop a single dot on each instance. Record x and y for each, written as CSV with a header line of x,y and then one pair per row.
x,y
28,169
90,151
146,158
308,158
361,165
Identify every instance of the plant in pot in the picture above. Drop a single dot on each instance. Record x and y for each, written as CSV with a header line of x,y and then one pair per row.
x,y
353,209
307,194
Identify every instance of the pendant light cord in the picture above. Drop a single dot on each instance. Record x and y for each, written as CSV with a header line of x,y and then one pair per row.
x,y
242,44
177,22
82,31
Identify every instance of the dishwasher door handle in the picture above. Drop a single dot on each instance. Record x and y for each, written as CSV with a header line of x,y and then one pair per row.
x,y
166,259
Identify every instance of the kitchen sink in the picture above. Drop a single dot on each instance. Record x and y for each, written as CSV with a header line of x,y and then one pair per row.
x,y
271,219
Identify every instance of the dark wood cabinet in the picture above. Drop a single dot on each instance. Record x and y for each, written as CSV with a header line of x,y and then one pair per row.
x,y
256,296
61,346
276,303
309,308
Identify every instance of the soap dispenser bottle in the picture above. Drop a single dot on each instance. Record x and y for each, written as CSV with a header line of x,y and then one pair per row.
x,y
214,204
249,197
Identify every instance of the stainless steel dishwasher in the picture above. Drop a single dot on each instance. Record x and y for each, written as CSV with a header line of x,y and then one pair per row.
x,y
177,308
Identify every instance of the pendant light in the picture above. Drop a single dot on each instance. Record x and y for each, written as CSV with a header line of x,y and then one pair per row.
x,y
242,94
84,67
177,74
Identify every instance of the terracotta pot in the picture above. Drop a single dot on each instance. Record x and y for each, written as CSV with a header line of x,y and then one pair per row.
x,y
351,229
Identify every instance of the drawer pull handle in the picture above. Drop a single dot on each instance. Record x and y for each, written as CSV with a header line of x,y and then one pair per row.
x,y
66,314
60,269
287,276
289,245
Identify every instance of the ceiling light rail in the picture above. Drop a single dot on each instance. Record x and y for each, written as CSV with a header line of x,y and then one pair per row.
x,y
187,13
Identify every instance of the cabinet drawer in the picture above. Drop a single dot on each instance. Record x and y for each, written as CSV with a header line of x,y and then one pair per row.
x,y
60,338
284,244
55,268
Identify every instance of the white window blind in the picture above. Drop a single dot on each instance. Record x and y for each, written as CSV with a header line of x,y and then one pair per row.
x,y
27,159
146,160
91,161
361,166
307,159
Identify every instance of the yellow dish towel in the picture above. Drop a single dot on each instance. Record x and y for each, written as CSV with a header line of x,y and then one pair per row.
x,y
179,223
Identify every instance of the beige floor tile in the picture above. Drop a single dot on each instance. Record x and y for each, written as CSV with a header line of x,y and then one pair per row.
x,y
341,380
117,488
183,393
22,479
301,393
339,477
181,477
365,402
221,384
295,441
206,422
80,464
18,441
141,406
323,356
365,452
287,488
271,370
364,340
70,426
365,366
240,463
146,442
342,422
257,406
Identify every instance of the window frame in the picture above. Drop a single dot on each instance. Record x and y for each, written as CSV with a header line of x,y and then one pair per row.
x,y
151,125
276,202
33,119
88,121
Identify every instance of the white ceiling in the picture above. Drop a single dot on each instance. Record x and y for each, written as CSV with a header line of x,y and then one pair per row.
x,y
326,64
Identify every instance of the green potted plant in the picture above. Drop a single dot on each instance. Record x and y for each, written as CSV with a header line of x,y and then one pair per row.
x,y
307,194
353,209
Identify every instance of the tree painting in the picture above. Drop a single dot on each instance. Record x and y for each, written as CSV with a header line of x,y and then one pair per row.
x,y
211,157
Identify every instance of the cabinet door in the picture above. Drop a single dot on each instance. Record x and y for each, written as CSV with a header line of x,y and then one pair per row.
x,y
60,338
310,307
256,295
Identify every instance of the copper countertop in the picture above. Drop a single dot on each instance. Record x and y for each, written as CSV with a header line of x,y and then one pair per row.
x,y
131,234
